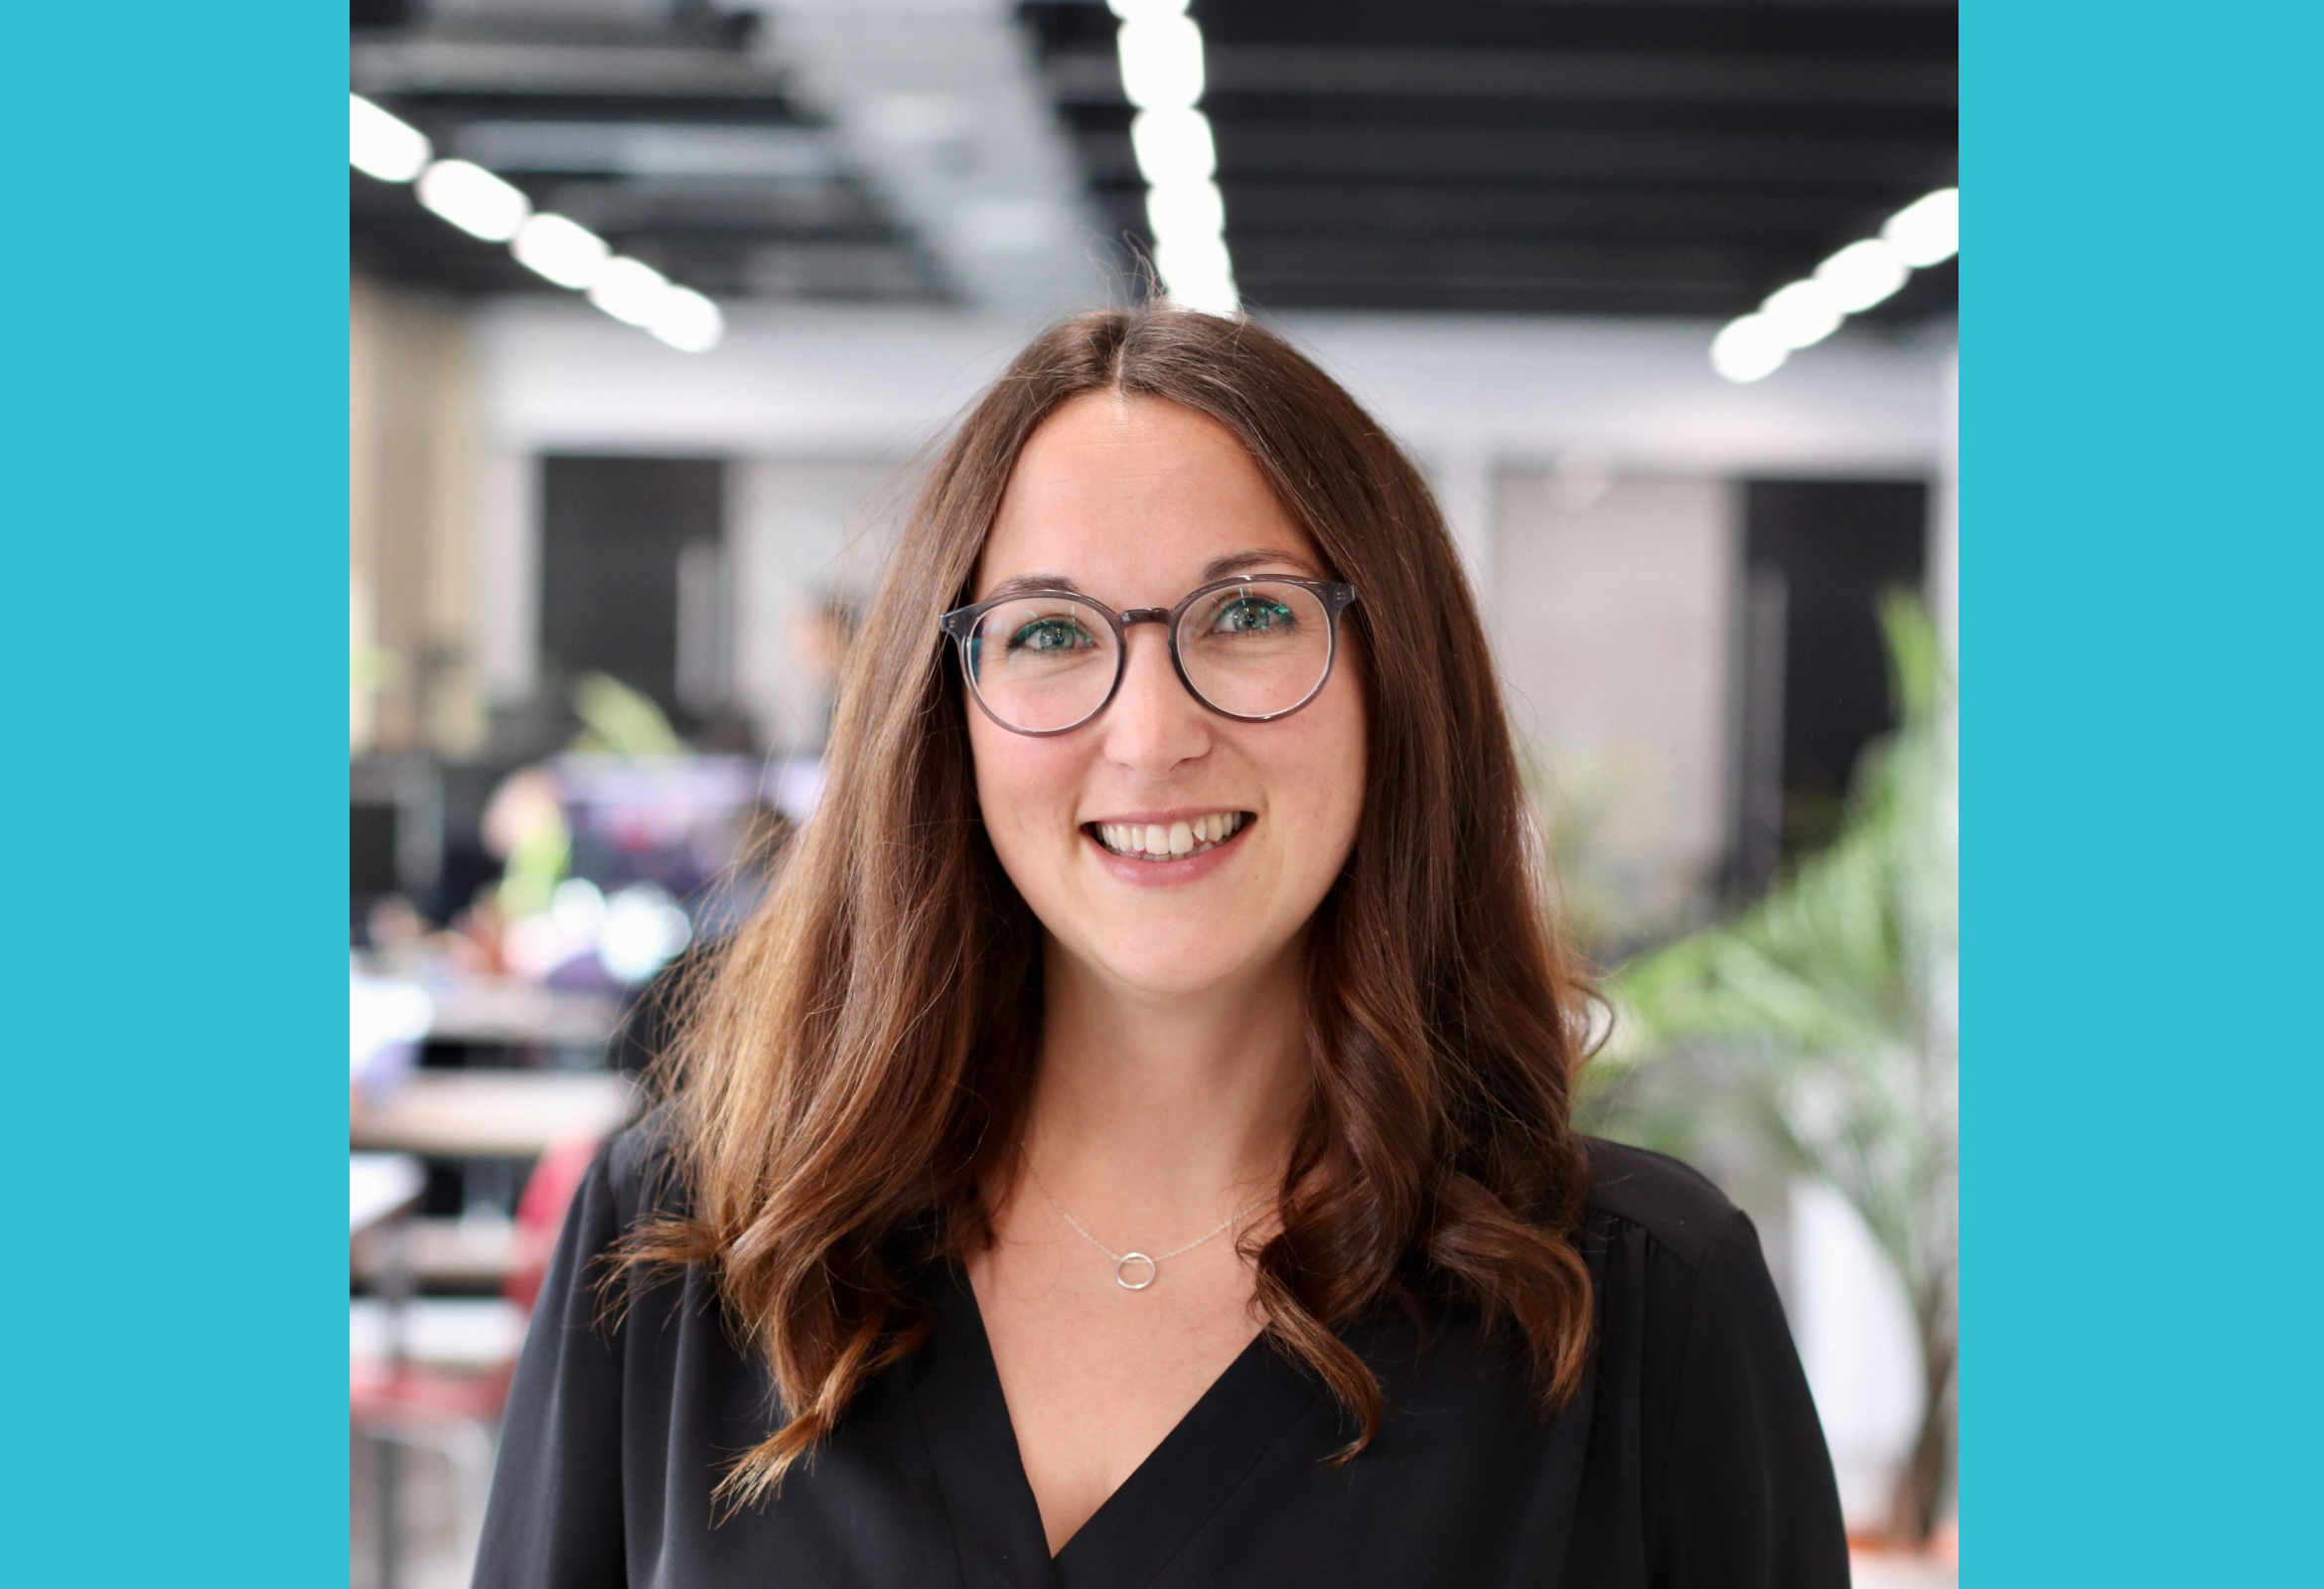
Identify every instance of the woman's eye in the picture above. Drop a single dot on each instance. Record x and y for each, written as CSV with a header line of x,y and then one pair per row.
x,y
1050,635
1252,615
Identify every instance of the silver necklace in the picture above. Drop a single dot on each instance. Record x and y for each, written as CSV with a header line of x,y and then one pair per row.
x,y
1123,1261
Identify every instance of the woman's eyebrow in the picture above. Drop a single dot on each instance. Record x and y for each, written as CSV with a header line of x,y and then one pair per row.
x,y
1216,568
1021,584
1256,557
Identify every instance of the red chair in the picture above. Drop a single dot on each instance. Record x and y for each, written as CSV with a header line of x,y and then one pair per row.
x,y
445,1388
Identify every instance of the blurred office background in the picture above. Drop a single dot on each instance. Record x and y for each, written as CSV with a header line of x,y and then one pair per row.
x,y
654,302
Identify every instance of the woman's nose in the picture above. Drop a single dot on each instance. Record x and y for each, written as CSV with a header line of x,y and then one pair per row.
x,y
1153,723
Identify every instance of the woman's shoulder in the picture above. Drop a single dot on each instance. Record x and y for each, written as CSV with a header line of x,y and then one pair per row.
x,y
1671,1201
639,1167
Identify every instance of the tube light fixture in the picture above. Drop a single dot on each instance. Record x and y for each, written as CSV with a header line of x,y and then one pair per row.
x,y
474,199
382,144
1173,146
565,251
569,254
1925,232
1186,210
1161,62
1161,54
1801,314
1862,274
630,290
687,320
1748,349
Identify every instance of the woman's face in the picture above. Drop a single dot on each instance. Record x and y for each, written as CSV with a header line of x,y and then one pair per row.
x,y
1135,502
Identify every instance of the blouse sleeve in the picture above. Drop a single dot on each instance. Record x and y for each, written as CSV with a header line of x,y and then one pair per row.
x,y
1747,1498
556,1514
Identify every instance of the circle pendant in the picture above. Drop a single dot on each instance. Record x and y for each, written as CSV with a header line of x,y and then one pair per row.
x,y
1153,1272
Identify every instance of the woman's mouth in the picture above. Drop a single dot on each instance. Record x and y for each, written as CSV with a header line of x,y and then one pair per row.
x,y
1167,841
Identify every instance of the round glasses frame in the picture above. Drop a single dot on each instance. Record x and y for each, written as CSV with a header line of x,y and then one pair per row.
x,y
961,622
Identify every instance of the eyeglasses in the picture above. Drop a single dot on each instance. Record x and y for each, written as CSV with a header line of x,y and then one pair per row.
x,y
1046,661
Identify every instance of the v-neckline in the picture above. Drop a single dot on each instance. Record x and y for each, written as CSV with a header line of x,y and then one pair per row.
x,y
1146,1519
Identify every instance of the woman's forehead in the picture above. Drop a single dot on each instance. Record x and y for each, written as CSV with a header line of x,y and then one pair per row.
x,y
1129,497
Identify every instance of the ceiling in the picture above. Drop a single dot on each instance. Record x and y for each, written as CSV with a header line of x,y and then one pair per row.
x,y
1629,157
663,128
1531,156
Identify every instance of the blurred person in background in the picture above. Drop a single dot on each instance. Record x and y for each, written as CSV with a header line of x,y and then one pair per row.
x,y
821,630
1131,1142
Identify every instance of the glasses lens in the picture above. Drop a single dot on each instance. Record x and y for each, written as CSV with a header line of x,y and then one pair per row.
x,y
1041,662
1255,648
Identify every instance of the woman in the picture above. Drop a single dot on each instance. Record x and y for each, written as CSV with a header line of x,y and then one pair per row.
x,y
1131,1146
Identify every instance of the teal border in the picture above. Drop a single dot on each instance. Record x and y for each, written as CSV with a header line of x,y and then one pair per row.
x,y
2140,534
2140,551
172,627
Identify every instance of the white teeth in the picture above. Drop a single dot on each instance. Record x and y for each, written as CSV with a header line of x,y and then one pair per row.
x,y
1158,843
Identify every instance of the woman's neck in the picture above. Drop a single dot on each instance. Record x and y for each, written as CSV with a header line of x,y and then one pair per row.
x,y
1158,1114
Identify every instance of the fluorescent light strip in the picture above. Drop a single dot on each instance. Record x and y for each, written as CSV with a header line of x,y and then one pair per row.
x,y
383,145
1924,233
1161,52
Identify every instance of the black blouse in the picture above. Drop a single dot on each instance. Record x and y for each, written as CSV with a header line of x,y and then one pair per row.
x,y
1692,1456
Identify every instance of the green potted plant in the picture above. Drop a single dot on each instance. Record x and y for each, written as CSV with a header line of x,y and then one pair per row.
x,y
1829,1008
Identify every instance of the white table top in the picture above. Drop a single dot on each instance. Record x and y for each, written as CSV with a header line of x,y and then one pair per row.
x,y
379,1184
483,1114
506,1010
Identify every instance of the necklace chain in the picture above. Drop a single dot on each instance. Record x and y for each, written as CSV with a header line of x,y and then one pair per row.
x,y
1153,1261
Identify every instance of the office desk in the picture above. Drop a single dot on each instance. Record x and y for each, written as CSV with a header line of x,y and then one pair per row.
x,y
495,1010
380,1185
485,1115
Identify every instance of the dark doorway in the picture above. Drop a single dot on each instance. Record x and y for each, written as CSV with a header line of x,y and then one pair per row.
x,y
632,559
1813,670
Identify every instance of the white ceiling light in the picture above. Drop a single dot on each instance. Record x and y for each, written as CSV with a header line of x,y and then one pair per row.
x,y
1161,52
687,320
1161,62
630,290
569,254
1927,232
1748,350
1801,314
1173,146
1213,294
1197,273
1190,259
1862,274
383,145
563,250
474,199
1186,210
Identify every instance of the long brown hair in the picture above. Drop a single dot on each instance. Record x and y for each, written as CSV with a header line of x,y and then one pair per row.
x,y
856,1068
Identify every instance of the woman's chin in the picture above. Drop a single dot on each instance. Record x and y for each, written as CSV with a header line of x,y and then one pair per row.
x,y
1178,970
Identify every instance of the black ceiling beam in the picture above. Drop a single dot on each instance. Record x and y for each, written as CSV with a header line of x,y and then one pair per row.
x,y
1898,30
1700,266
1293,152
438,64
1084,76
1723,215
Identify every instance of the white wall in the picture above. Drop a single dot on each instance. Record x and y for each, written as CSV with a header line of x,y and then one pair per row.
x,y
879,383
798,530
1610,606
